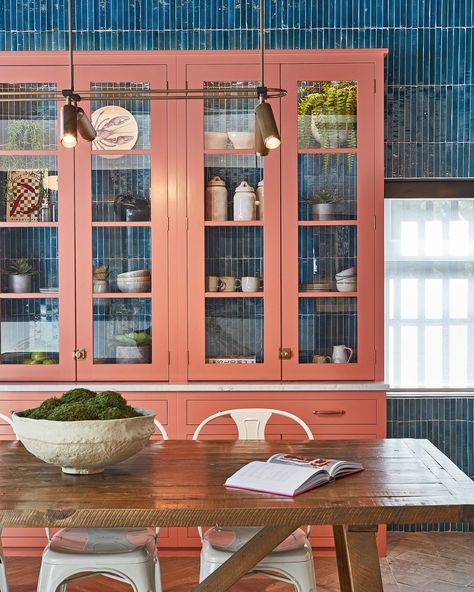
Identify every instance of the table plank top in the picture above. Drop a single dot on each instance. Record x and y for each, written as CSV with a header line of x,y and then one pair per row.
x,y
180,483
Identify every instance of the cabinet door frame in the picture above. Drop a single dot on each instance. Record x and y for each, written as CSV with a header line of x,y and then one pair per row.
x,y
365,75
224,70
156,74
66,368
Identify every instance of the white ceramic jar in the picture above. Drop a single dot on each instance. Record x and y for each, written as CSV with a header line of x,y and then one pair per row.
x,y
216,200
244,202
259,194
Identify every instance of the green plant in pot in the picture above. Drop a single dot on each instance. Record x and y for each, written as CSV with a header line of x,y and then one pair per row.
x,y
20,272
100,279
332,107
323,204
132,348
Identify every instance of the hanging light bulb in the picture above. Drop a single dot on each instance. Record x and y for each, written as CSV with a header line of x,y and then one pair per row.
x,y
267,124
68,125
260,148
84,125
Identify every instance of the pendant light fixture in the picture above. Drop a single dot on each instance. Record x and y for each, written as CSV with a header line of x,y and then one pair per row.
x,y
74,119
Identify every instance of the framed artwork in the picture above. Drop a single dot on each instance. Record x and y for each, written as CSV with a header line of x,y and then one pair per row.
x,y
26,194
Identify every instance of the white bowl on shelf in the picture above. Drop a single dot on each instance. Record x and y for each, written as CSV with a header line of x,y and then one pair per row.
x,y
215,140
241,140
139,284
85,447
134,274
347,286
345,273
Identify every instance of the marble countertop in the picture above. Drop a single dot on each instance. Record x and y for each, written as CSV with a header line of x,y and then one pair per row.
x,y
199,387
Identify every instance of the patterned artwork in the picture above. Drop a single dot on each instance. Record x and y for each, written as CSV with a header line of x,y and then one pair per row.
x,y
116,128
27,194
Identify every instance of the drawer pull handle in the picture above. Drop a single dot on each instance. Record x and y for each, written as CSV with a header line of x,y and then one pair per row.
x,y
330,412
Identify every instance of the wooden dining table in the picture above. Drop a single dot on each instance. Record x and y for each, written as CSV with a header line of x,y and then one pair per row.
x,y
180,483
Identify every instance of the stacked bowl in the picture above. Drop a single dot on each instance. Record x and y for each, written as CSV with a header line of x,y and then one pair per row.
x,y
346,280
134,281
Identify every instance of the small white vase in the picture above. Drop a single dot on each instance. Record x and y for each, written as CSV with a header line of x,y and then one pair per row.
x,y
324,211
100,286
216,200
244,202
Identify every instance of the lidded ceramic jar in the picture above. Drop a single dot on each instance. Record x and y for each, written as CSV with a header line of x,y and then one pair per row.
x,y
244,202
216,200
259,194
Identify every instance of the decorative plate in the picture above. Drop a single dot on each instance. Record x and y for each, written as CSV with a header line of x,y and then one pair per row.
x,y
116,128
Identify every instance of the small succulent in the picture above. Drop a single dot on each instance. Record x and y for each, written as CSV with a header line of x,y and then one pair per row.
x,y
323,196
101,273
20,267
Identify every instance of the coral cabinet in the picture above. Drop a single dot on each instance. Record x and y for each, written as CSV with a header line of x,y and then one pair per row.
x,y
169,261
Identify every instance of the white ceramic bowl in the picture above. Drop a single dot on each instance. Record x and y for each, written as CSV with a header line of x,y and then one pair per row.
x,y
135,274
134,284
351,271
241,139
215,140
85,447
346,286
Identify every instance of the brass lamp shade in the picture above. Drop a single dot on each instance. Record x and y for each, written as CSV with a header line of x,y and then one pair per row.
x,y
260,148
267,125
84,125
68,126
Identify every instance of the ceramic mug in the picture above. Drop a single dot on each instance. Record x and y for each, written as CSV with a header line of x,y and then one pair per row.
x,y
228,283
212,283
251,284
317,359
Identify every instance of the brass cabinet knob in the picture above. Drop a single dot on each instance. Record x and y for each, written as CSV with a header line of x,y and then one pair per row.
x,y
79,354
285,353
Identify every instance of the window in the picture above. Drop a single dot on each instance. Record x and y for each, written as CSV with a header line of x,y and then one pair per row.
x,y
429,289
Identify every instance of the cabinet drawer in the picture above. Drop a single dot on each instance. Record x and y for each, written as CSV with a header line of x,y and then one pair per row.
x,y
342,411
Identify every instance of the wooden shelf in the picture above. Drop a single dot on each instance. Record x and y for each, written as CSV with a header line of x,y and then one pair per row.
x,y
28,224
328,294
28,295
234,223
145,224
328,223
234,294
122,295
327,150
224,151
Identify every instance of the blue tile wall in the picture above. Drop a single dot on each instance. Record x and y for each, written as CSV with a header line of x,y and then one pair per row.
x,y
449,424
429,93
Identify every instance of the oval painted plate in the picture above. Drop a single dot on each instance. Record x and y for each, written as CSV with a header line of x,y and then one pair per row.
x,y
116,128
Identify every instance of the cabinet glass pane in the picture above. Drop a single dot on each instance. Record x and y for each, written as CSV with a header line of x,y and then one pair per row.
x,y
121,124
229,123
327,258
121,188
327,187
233,253
327,114
234,330
39,248
232,170
28,125
326,327
29,331
121,250
122,330
28,188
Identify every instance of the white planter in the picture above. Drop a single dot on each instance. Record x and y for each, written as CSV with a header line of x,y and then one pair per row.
x,y
85,447
332,131
133,354
100,286
324,211
19,284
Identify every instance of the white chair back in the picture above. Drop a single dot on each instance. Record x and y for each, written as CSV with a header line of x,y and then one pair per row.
x,y
251,423
161,428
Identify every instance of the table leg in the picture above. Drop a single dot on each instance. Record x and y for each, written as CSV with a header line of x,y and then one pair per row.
x,y
245,558
357,559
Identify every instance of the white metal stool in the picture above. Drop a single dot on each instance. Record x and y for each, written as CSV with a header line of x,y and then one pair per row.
x,y
292,560
125,554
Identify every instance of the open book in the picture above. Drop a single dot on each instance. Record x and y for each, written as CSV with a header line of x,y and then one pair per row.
x,y
290,474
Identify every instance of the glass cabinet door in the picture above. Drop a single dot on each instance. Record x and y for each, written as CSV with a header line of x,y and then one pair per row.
x,y
121,210
36,232
234,243
328,194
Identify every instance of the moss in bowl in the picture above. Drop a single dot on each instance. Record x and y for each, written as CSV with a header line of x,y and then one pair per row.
x,y
83,431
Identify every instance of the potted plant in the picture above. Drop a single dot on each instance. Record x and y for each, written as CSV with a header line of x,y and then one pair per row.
x,y
332,108
100,279
132,348
323,204
19,276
